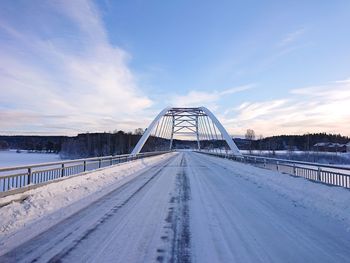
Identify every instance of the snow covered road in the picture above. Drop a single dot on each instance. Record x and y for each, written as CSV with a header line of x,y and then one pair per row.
x,y
235,218
197,208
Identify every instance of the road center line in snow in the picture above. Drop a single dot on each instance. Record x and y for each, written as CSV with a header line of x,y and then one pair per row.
x,y
177,230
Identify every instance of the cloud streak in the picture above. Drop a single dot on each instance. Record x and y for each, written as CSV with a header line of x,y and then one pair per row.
x,y
65,67
292,37
311,109
197,98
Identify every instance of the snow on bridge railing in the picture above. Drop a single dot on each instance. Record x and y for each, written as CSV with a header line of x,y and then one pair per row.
x,y
323,173
17,177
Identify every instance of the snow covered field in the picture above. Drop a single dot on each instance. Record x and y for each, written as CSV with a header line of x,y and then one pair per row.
x,y
12,158
338,158
180,207
286,152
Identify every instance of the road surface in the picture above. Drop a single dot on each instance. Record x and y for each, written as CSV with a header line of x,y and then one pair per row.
x,y
191,208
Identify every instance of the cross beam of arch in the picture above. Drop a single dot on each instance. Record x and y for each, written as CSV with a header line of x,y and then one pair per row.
x,y
198,122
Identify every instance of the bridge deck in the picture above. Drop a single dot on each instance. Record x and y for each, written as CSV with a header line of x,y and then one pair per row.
x,y
199,208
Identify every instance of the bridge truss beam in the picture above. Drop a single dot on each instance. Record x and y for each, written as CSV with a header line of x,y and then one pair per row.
x,y
197,121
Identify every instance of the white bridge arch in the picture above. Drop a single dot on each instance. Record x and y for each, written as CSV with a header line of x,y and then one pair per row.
x,y
198,121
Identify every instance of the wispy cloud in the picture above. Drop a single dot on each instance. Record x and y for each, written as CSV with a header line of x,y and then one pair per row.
x,y
74,73
292,37
202,98
311,109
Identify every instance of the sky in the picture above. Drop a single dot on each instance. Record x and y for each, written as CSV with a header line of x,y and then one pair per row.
x,y
278,67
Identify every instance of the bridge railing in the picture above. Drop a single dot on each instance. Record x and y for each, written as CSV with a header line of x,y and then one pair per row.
x,y
12,178
323,173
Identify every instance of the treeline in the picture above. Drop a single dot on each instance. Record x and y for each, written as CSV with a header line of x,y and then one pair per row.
x,y
294,142
89,144
102,144
51,144
96,144
119,142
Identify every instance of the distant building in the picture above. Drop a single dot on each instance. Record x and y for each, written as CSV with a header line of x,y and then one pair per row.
x,y
331,147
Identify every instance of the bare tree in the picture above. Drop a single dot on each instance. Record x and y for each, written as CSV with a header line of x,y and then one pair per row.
x,y
273,145
138,131
261,143
250,135
4,145
291,146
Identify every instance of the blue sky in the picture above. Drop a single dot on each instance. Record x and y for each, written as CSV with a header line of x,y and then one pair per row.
x,y
273,66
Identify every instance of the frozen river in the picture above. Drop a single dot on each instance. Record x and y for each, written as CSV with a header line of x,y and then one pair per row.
x,y
12,158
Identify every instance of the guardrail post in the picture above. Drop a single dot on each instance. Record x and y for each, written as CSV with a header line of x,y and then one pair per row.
x,y
111,160
294,169
99,163
264,163
29,176
277,165
84,166
319,174
62,170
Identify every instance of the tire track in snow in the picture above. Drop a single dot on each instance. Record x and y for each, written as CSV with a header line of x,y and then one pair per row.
x,y
12,256
104,218
178,220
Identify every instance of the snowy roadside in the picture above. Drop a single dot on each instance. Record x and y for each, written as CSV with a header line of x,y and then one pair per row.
x,y
41,208
330,200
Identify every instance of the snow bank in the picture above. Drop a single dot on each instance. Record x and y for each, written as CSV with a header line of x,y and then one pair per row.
x,y
20,210
330,200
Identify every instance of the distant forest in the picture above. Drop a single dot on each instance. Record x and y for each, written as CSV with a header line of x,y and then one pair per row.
x,y
304,142
100,144
88,144
51,144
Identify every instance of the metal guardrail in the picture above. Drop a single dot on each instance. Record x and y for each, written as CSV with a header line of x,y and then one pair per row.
x,y
12,178
327,174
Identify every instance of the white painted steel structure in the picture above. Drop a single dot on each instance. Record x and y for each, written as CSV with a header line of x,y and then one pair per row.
x,y
196,121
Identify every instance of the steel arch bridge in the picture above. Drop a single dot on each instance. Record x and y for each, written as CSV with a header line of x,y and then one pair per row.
x,y
195,121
